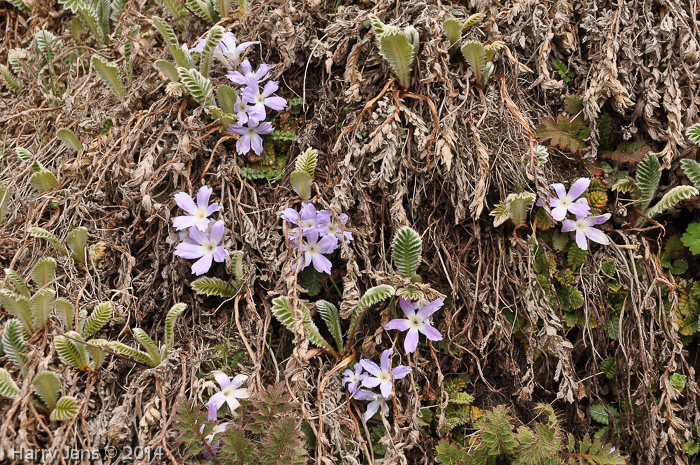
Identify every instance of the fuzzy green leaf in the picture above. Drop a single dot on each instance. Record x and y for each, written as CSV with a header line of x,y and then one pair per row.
x,y
130,352
306,162
311,280
8,387
41,305
48,388
97,354
227,97
496,432
570,298
453,31
43,180
410,293
174,8
671,199
237,266
66,312
475,54
515,207
331,316
148,344
216,287
28,157
693,133
16,282
691,168
18,306
14,344
647,176
213,39
282,310
76,241
71,351
492,48
65,409
472,20
6,193
69,138
568,134
44,271
301,183
109,72
223,7
450,454
197,85
627,185
168,69
399,50
407,251
314,334
182,55
203,9
98,318
576,257
170,318
10,79
371,297
691,238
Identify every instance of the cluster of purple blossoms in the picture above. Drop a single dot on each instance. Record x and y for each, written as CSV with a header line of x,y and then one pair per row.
x,y
374,375
317,234
569,202
416,321
203,233
252,102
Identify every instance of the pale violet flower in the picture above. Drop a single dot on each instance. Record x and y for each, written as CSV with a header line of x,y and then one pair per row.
x,y
250,136
376,403
566,201
313,250
210,437
259,99
309,217
231,391
198,213
354,378
203,246
584,228
246,72
381,376
416,322
227,51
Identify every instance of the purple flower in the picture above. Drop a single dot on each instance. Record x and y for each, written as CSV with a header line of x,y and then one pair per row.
x,y
240,108
377,402
354,378
382,376
261,99
241,77
199,213
333,230
210,437
203,246
310,219
566,202
231,391
584,229
226,49
250,136
416,322
314,249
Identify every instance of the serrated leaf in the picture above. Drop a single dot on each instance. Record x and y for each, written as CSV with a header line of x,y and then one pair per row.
x,y
203,10
216,287
496,432
693,133
306,162
170,319
568,134
475,54
41,305
627,185
103,11
314,334
599,414
407,251
492,48
671,199
573,105
43,180
10,79
450,454
331,316
130,352
71,351
109,72
227,97
28,157
237,266
301,183
168,69
8,387
691,238
16,281
98,318
692,447
44,271
282,310
48,388
691,168
570,298
213,39
311,280
97,354
453,32
576,257
65,409
148,344
14,344
66,312
398,49
69,138
76,241
370,297
609,268
628,152
182,56
6,193
647,176
410,293
18,306
174,8
197,85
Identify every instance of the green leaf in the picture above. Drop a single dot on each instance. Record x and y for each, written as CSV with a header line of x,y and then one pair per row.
x,y
174,8
41,305
306,162
8,387
599,414
71,351
130,352
311,280
371,297
28,157
216,287
69,138
568,134
491,50
496,432
314,334
475,54
18,306
53,240
570,298
88,18
691,168
6,193
693,133
43,180
168,69
453,32
678,381
103,11
576,257
109,72
282,310
692,447
628,152
16,281
66,408
227,97
19,4
213,39
98,318
48,388
181,55
66,312
472,20
44,271
197,85
170,318
609,268
331,316
223,7
450,454
203,10
691,238
301,183
410,293
14,344
647,176
10,79
399,49
407,251
148,344
237,266
515,207
76,242
671,199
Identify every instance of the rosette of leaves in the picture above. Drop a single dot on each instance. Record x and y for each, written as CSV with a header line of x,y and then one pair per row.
x,y
95,16
567,133
76,240
454,30
480,59
398,47
47,387
74,346
302,177
515,208
31,309
209,286
154,354
42,179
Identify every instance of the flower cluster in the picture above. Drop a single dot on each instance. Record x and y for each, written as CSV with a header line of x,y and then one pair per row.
x,y
416,322
203,233
569,203
252,102
317,234
376,375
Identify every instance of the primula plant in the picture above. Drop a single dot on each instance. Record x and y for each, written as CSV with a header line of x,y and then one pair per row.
x,y
398,47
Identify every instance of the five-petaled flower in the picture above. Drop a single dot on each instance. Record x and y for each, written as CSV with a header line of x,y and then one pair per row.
x,y
376,403
250,135
198,213
204,246
382,376
231,391
354,378
584,228
261,99
416,322
240,77
314,249
566,201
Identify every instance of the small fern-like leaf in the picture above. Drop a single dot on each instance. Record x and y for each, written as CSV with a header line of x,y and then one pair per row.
x,y
215,287
10,79
182,57
71,351
6,193
331,316
472,20
18,306
16,281
76,241
475,54
691,168
197,85
14,344
28,157
671,199
648,176
41,305
43,180
693,133
109,72
627,185
237,266
172,315
148,344
8,387
307,161
202,10
66,312
48,388
314,334
576,257
44,271
98,318
492,48
568,134
130,352
69,138
407,251
399,51
410,293
227,97
213,39
65,409
282,310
